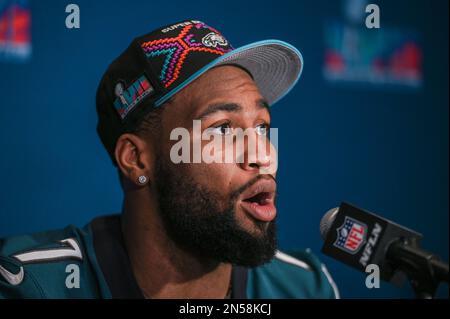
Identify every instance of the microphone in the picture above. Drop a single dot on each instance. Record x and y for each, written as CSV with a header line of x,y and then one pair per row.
x,y
360,238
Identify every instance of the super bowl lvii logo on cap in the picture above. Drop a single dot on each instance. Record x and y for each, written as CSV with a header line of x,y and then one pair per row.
x,y
351,235
128,98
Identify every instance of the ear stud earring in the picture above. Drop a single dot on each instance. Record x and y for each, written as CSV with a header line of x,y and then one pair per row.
x,y
142,179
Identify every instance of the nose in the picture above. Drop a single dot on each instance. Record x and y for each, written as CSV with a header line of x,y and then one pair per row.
x,y
259,155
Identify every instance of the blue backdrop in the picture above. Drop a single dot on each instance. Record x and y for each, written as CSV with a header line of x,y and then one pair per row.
x,y
383,149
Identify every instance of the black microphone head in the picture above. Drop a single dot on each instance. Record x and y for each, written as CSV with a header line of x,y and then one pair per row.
x,y
359,238
326,222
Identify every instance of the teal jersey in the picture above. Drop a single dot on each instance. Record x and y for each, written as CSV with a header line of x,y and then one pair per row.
x,y
92,262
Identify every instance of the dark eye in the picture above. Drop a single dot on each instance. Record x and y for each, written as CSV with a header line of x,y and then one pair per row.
x,y
222,129
262,129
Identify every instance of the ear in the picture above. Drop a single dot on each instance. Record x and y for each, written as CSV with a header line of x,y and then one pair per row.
x,y
134,157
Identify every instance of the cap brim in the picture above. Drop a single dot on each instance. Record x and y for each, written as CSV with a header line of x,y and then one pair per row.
x,y
275,66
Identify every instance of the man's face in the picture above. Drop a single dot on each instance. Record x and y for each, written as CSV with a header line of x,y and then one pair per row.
x,y
223,211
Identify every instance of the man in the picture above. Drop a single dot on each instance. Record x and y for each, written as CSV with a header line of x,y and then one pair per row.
x,y
188,229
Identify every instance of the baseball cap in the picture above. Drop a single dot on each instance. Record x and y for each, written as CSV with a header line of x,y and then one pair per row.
x,y
159,64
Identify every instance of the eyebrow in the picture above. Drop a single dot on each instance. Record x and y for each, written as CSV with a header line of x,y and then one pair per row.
x,y
229,107
264,104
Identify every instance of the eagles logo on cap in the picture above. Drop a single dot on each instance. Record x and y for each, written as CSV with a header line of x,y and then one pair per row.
x,y
213,39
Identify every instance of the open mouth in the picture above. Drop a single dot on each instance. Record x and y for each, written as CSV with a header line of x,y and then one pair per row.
x,y
262,198
259,200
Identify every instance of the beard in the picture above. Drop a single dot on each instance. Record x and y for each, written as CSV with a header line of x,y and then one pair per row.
x,y
199,221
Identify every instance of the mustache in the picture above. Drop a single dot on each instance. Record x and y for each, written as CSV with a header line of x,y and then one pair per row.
x,y
235,194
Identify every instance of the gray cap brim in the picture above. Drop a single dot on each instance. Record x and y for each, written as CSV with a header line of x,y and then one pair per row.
x,y
276,66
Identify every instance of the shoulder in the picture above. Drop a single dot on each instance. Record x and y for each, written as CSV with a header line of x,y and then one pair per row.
x,y
296,274
52,264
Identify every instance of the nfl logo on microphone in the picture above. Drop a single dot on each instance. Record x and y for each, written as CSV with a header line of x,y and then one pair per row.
x,y
351,235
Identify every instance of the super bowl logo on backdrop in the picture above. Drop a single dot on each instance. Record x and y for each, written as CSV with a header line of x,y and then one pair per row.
x,y
351,235
15,33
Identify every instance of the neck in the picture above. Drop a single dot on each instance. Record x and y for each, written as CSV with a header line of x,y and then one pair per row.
x,y
163,269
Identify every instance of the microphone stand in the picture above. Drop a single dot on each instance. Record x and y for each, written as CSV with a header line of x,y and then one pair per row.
x,y
424,270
